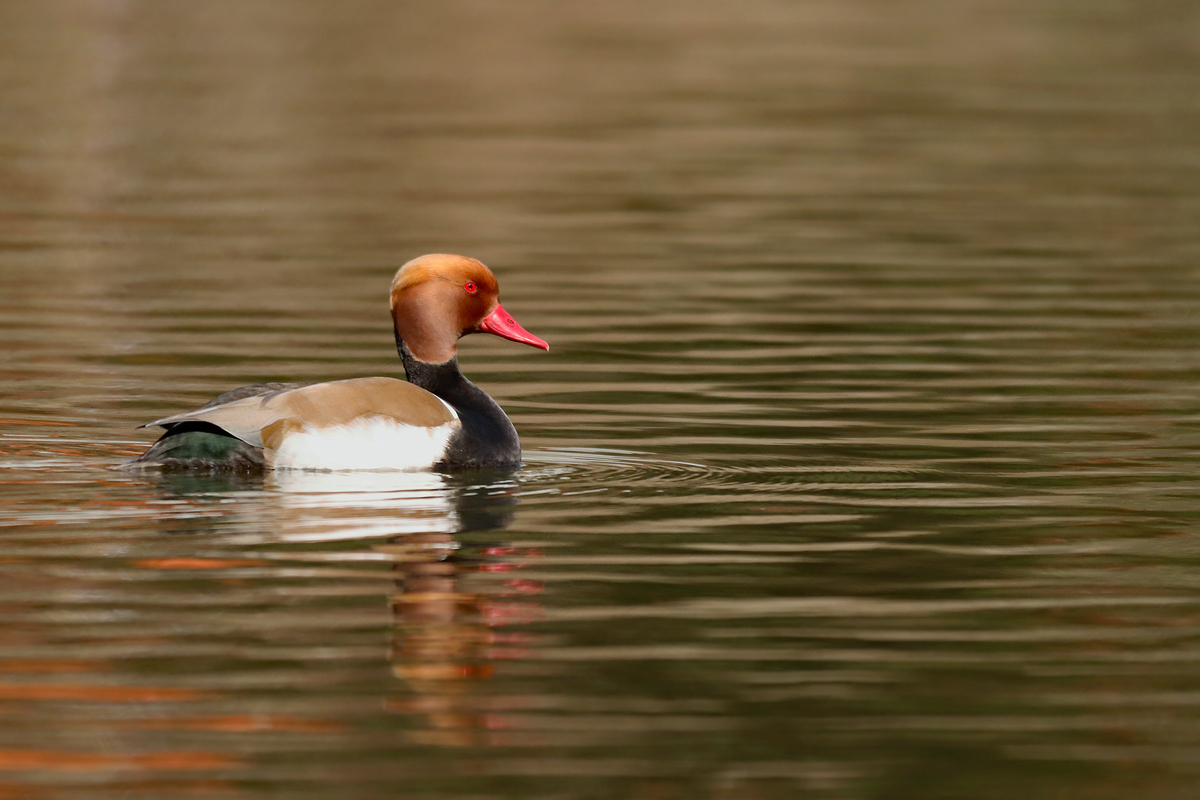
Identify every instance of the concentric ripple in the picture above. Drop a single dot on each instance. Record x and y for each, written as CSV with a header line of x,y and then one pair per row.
x,y
592,464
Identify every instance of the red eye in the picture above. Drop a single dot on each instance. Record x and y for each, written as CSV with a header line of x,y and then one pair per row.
x,y
470,287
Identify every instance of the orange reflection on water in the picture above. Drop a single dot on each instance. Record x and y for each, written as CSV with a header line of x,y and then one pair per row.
x,y
196,563
446,642
241,723
15,760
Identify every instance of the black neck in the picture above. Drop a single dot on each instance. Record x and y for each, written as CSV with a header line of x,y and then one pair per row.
x,y
487,437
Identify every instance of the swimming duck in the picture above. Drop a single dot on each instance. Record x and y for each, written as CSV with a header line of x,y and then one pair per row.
x,y
438,419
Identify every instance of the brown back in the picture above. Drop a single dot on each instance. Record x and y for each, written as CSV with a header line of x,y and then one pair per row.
x,y
264,421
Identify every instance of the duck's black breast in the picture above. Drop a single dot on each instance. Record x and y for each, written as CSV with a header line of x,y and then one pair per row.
x,y
487,437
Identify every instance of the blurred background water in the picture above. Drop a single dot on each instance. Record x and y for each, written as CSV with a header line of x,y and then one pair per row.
x,y
862,464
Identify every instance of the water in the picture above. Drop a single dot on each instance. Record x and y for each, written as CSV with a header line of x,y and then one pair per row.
x,y
862,464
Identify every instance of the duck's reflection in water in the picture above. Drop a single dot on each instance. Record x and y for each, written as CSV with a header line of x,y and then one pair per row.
x,y
361,506
451,601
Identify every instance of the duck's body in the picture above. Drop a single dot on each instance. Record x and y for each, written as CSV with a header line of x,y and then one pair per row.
x,y
437,419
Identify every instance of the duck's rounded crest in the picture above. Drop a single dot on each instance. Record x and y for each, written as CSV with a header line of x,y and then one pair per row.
x,y
447,267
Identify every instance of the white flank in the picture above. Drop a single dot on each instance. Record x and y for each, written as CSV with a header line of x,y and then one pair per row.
x,y
369,443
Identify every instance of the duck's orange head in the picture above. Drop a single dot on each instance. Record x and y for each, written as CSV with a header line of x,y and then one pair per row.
x,y
437,299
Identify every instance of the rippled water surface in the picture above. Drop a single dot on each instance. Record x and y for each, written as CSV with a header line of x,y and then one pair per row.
x,y
863,463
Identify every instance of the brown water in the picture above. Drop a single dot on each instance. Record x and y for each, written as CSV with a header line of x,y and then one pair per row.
x,y
863,464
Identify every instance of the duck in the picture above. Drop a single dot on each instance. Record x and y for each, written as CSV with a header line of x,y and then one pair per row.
x,y
436,419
